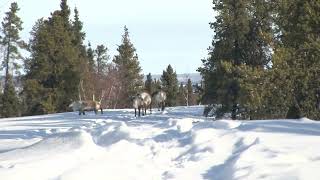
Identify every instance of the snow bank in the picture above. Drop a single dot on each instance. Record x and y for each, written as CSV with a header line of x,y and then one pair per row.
x,y
48,157
177,144
111,133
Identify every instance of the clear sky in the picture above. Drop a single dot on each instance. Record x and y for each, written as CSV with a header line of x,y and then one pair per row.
x,y
164,32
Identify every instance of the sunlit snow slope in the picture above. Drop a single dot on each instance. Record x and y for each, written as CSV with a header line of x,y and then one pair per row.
x,y
175,144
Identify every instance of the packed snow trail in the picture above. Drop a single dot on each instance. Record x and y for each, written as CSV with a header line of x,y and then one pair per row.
x,y
175,144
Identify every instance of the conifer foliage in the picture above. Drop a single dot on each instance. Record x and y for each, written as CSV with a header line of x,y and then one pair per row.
x,y
263,62
11,42
227,52
53,70
149,84
296,61
169,83
128,68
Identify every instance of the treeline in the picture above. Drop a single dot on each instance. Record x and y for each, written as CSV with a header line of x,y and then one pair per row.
x,y
61,68
264,61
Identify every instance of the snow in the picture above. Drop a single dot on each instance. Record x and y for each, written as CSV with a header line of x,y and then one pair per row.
x,y
176,144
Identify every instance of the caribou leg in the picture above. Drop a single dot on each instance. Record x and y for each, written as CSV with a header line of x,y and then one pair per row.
x,y
162,106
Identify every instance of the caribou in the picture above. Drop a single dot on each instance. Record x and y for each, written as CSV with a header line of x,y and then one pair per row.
x,y
159,99
141,101
87,105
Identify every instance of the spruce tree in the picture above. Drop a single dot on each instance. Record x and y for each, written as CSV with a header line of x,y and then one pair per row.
x,y
296,61
64,13
90,56
78,37
11,41
149,84
170,85
242,36
227,51
128,70
53,71
181,98
10,101
77,27
157,84
190,95
101,59
85,62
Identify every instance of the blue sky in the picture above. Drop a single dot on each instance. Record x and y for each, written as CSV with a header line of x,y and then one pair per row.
x,y
164,32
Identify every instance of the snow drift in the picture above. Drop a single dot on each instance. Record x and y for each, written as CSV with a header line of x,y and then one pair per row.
x,y
176,144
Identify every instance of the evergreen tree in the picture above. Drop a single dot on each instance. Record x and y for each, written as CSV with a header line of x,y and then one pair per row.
x,y
79,35
296,61
170,85
129,71
181,98
64,13
190,95
85,62
149,84
157,84
242,34
53,71
10,101
11,41
101,70
227,50
101,59
90,55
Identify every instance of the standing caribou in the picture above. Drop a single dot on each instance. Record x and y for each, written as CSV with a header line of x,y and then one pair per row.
x,y
141,101
87,105
159,99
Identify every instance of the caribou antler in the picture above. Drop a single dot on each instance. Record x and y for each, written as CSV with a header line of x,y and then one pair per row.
x,y
110,92
102,95
80,88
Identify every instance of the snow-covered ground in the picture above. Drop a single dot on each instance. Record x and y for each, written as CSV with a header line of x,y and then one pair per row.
x,y
175,144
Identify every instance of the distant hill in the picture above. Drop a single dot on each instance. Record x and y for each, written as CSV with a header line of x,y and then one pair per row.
x,y
182,78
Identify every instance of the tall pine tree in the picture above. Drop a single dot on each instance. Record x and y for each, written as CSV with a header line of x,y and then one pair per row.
x,y
242,36
11,41
191,99
170,85
149,84
53,71
296,66
181,96
102,58
128,70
